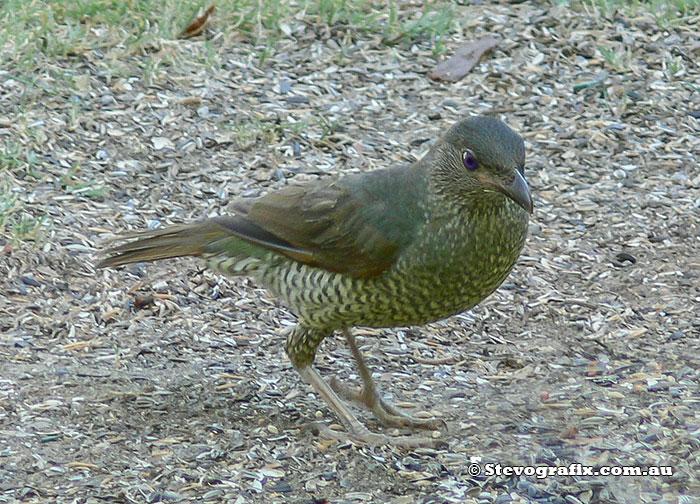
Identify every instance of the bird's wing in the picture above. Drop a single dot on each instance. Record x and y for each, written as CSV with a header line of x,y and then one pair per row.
x,y
357,225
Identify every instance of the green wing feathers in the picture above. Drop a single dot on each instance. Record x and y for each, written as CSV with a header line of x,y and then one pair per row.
x,y
349,226
340,227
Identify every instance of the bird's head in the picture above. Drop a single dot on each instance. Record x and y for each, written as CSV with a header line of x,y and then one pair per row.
x,y
479,160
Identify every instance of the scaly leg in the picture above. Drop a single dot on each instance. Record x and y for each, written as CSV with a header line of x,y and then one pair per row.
x,y
357,431
301,347
368,397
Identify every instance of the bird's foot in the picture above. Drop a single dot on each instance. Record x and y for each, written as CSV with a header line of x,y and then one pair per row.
x,y
386,412
364,435
355,430
369,398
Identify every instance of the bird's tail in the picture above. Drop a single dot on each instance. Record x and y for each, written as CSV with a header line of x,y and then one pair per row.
x,y
175,241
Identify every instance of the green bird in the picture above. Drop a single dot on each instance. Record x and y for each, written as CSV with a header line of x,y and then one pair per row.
x,y
394,247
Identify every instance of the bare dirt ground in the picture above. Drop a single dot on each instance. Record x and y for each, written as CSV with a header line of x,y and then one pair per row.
x,y
165,382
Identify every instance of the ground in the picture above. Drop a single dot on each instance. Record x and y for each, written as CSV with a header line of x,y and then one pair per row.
x,y
167,382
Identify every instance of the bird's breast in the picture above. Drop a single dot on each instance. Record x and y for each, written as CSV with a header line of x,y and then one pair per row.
x,y
452,267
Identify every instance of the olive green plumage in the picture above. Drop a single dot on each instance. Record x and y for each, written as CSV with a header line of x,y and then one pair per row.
x,y
400,246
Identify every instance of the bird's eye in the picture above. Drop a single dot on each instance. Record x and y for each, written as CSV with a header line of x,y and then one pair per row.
x,y
470,160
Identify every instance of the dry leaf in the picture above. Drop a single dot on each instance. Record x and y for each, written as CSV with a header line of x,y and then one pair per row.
x,y
197,26
463,60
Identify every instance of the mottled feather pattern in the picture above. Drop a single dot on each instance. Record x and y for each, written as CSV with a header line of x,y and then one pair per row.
x,y
427,283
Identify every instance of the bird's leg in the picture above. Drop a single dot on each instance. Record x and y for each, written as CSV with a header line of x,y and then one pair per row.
x,y
369,397
301,346
346,416
299,340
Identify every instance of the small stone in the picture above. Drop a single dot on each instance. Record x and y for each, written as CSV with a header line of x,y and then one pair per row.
x,y
292,100
162,143
281,487
107,99
27,280
285,86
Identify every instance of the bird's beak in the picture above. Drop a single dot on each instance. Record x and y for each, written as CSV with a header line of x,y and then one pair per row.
x,y
518,191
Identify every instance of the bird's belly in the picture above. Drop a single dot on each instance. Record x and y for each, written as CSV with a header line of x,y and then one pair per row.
x,y
427,298
430,284
414,296
436,284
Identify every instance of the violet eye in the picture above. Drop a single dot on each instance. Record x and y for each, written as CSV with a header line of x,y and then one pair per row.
x,y
470,160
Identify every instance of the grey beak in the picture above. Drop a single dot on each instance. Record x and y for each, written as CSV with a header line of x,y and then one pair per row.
x,y
519,191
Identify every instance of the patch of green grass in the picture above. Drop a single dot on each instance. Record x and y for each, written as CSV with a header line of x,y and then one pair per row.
x,y
674,66
617,59
296,128
254,131
16,224
334,11
667,12
250,132
19,163
88,189
10,157
37,32
16,221
328,127
269,22
435,19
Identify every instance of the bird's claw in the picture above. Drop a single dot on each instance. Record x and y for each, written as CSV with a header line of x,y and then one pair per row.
x,y
386,412
374,439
